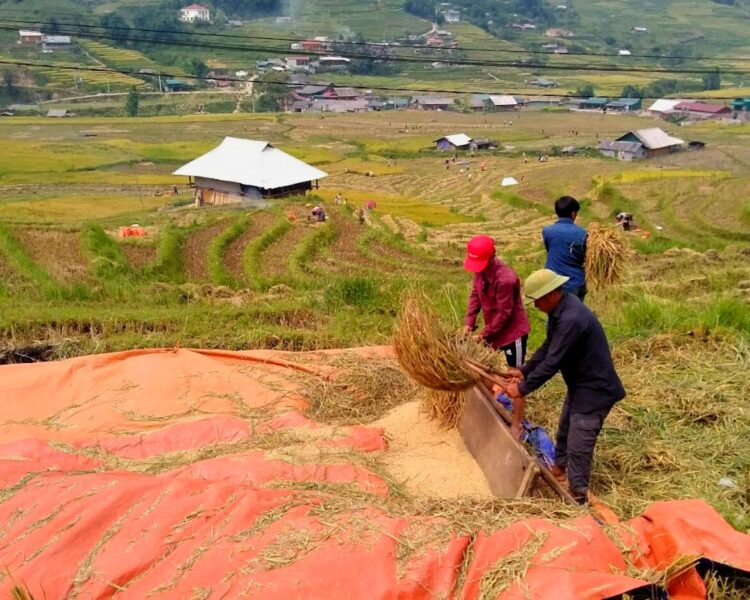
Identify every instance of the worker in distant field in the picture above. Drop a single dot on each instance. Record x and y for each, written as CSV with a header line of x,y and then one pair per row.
x,y
496,292
577,347
566,246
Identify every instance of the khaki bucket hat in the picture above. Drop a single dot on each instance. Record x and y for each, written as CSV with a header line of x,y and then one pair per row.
x,y
542,282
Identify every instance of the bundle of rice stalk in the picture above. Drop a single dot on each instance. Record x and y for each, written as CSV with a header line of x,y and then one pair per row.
x,y
437,359
607,255
432,356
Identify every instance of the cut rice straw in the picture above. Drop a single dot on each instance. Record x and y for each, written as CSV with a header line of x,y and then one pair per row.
x,y
437,359
607,256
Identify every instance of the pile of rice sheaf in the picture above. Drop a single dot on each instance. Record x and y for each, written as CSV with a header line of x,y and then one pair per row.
x,y
436,358
607,256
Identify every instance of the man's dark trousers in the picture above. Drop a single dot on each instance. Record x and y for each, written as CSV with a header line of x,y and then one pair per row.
x,y
574,447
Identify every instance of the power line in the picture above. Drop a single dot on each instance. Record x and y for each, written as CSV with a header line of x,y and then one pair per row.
x,y
383,45
415,60
291,85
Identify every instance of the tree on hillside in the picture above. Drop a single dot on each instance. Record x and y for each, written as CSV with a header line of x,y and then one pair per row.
x,y
195,66
631,91
712,80
585,91
132,102
117,26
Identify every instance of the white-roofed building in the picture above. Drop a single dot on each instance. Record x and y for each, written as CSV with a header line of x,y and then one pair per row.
x,y
500,103
655,141
28,36
664,107
240,170
457,141
195,13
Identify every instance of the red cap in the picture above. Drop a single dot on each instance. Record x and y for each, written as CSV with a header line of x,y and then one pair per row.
x,y
479,251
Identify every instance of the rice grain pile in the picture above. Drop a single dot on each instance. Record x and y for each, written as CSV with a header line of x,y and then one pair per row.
x,y
607,255
437,359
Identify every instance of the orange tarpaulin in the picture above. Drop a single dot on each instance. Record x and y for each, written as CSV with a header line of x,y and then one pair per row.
x,y
169,473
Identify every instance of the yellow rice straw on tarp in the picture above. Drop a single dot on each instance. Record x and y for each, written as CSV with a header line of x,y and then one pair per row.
x,y
607,255
436,358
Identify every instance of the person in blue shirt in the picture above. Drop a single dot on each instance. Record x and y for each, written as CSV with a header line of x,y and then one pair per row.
x,y
566,246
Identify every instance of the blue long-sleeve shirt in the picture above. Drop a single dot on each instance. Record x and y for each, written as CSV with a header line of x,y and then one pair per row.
x,y
566,251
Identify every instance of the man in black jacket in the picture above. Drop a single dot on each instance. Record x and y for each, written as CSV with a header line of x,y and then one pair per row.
x,y
577,347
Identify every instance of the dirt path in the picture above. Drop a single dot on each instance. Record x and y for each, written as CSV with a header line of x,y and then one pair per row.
x,y
195,251
58,252
259,222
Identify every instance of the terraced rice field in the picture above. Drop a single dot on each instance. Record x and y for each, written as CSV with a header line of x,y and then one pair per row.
x,y
124,58
81,79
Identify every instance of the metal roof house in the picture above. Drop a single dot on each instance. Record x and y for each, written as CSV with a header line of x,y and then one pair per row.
x,y
594,103
240,170
457,141
431,103
702,110
622,150
655,141
664,107
624,105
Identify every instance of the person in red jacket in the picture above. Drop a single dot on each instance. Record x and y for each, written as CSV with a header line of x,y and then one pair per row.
x,y
496,292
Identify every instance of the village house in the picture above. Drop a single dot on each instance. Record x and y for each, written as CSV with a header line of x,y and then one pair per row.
x,y
195,13
543,83
624,105
653,142
174,85
452,16
558,33
624,52
60,113
334,63
52,43
317,44
396,103
594,103
541,101
500,103
220,74
457,141
523,26
298,62
740,108
663,107
625,151
26,36
702,110
357,105
240,170
431,103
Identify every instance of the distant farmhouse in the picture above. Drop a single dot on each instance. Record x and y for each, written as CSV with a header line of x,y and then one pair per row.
x,y
543,83
741,108
624,105
195,13
664,107
26,36
240,170
702,110
493,103
641,143
457,141
452,16
51,43
431,103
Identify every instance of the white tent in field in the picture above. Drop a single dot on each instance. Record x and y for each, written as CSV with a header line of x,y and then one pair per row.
x,y
508,181
239,169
